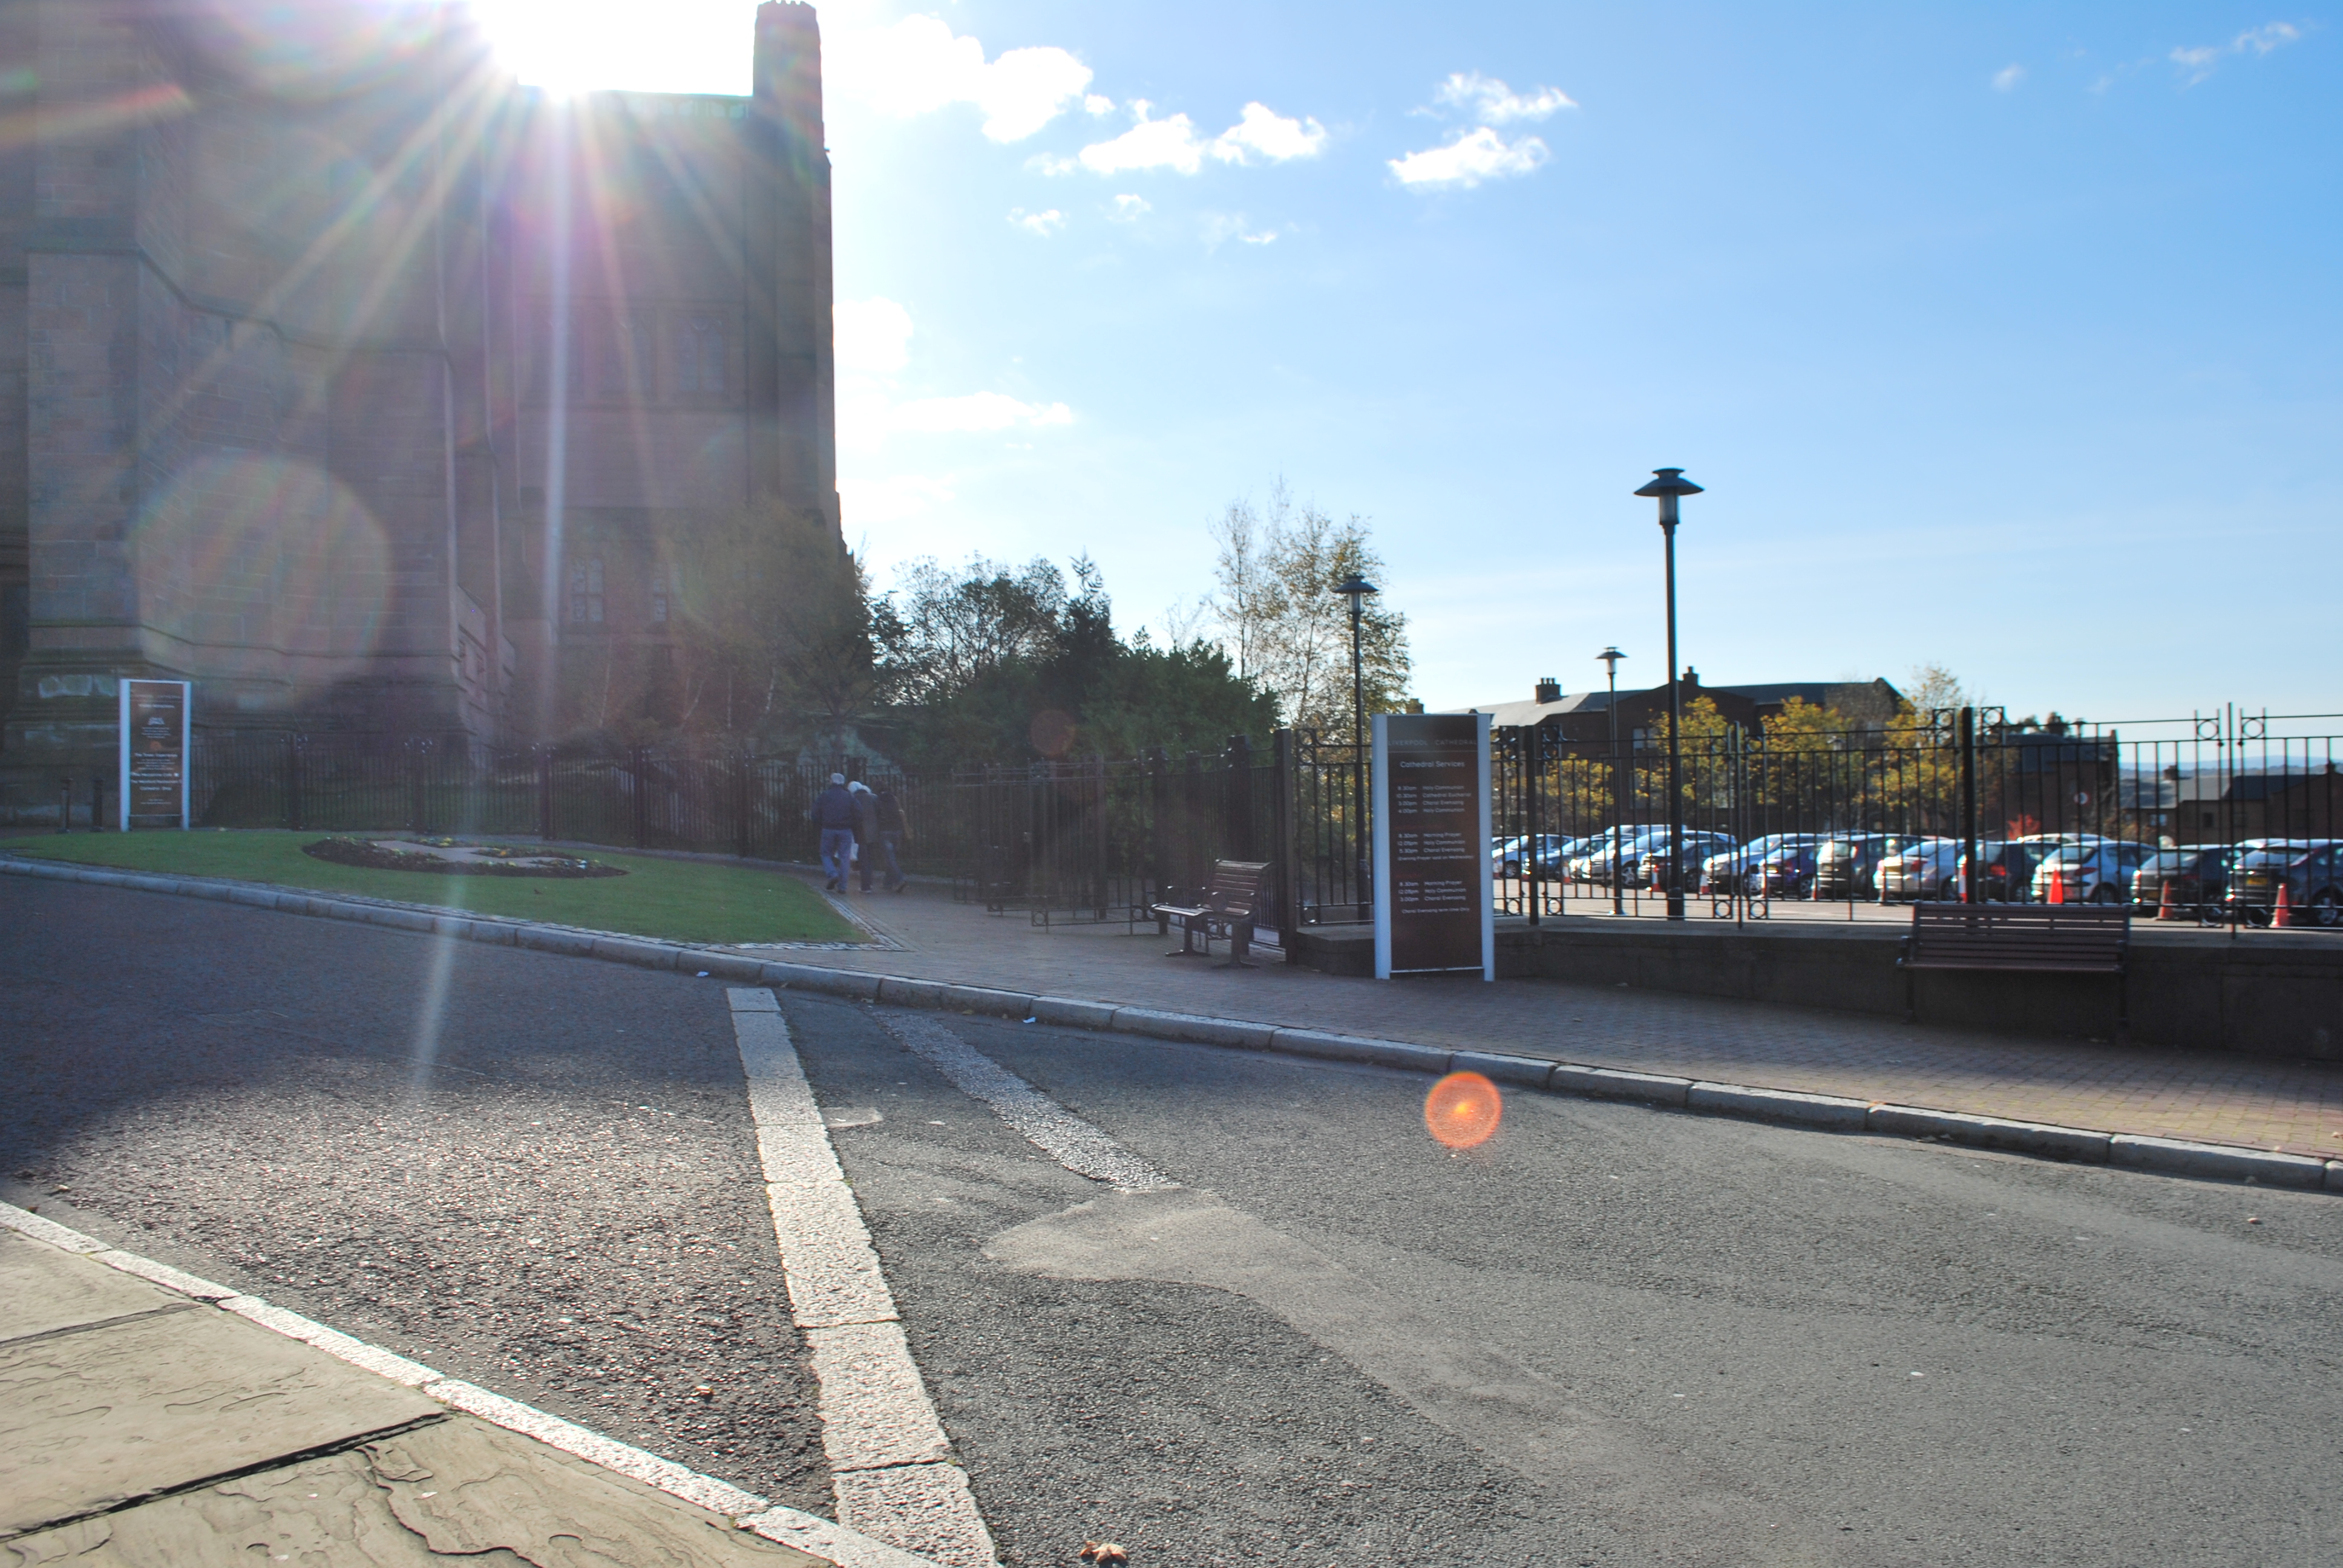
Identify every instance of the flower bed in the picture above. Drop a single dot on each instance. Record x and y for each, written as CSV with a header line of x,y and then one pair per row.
x,y
494,859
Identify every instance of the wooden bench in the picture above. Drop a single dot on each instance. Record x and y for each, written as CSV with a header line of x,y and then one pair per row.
x,y
1228,908
2020,939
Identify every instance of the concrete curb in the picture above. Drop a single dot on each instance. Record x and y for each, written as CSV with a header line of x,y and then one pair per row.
x,y
809,1533
1828,1112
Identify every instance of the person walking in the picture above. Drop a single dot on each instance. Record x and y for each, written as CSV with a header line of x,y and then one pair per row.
x,y
866,828
833,813
892,831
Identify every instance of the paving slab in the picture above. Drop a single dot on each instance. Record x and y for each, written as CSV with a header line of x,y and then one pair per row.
x,y
455,1489
104,1413
39,1295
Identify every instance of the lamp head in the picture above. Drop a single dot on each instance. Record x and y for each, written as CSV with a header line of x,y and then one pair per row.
x,y
1354,587
1610,657
1669,485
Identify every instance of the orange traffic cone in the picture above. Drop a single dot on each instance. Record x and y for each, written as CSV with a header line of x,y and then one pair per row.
x,y
2282,914
2168,907
2057,893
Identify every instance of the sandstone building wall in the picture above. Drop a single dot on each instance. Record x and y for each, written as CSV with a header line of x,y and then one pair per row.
x,y
368,389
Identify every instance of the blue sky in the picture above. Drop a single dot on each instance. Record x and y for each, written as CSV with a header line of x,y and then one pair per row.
x,y
2005,337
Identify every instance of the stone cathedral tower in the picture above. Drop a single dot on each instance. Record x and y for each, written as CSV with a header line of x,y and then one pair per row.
x,y
361,386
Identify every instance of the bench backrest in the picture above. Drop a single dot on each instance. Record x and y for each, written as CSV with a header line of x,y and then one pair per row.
x,y
1236,886
2021,936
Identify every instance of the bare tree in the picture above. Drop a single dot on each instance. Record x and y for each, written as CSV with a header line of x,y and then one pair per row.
x,y
1284,625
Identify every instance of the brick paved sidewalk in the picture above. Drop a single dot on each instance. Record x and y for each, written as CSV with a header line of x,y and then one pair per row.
x,y
2263,1103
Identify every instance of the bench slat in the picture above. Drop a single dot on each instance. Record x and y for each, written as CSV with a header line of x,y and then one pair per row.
x,y
2073,938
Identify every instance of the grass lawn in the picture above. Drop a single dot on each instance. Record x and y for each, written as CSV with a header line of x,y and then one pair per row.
x,y
678,900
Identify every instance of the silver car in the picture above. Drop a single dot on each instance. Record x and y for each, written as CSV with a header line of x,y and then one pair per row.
x,y
2097,872
1930,869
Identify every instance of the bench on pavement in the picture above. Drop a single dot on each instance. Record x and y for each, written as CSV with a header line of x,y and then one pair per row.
x,y
2020,938
1228,908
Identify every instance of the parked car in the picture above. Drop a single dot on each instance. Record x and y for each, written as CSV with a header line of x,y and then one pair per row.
x,y
2009,864
2089,873
1697,848
1512,857
2311,874
1610,856
2197,876
1730,871
1787,871
1929,868
1846,866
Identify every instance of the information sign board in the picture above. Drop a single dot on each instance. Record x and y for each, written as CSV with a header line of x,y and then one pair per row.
x,y
1435,901
153,788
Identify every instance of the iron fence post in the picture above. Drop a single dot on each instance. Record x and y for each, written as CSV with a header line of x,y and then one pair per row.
x,y
293,748
545,793
1533,753
740,773
1970,890
1158,829
1289,867
636,767
1237,798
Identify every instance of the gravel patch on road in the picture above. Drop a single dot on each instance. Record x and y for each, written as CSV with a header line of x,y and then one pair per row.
x,y
557,1198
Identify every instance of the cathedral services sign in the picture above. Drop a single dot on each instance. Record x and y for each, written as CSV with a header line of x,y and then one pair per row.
x,y
1434,904
153,788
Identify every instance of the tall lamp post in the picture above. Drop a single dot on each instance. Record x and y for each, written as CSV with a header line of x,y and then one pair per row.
x,y
1611,656
1356,588
1670,485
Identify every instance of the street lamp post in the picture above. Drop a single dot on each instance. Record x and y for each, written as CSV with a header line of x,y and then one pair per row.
x,y
1610,657
1356,588
1669,486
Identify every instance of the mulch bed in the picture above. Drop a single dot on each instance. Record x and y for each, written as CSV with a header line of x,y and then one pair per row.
x,y
364,853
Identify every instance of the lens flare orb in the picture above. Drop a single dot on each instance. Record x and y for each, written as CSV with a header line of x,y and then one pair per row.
x,y
1462,1111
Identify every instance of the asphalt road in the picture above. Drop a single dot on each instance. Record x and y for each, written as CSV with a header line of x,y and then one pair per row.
x,y
1609,1335
554,1193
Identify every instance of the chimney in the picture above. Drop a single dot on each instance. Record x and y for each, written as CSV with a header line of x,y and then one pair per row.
x,y
1549,689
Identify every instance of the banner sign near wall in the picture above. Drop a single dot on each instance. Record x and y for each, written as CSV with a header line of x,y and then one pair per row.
x,y
153,788
1436,908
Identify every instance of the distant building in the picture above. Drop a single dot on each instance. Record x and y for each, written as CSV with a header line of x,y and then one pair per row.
x,y
370,390
1583,717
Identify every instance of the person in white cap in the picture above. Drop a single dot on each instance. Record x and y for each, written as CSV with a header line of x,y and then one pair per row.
x,y
833,813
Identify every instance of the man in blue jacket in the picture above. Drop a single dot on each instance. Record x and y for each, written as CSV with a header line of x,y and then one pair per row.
x,y
833,812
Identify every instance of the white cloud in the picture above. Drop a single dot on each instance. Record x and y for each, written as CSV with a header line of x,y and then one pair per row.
x,y
2200,61
918,67
1220,228
1127,207
872,336
1097,104
1149,145
1478,154
1489,102
977,412
1041,224
898,496
1259,132
2006,80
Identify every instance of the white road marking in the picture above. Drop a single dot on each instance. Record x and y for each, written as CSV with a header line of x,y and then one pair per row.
x,y
1057,1132
891,1465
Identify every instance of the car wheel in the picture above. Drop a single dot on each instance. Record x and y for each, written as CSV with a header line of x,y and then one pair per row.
x,y
2327,908
2103,894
